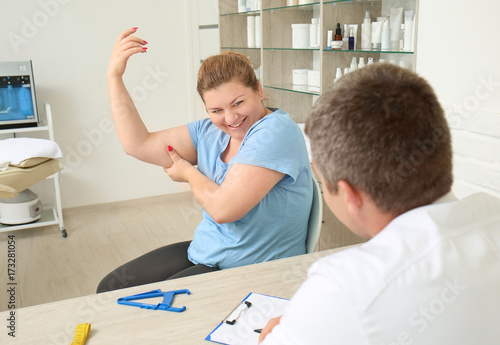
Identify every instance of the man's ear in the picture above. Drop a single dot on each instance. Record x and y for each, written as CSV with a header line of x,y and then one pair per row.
x,y
352,197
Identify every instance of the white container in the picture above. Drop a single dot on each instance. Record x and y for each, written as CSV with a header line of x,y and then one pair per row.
x,y
313,33
258,32
408,30
338,75
366,32
251,31
313,78
303,2
300,35
396,21
354,64
242,5
386,36
361,63
300,76
292,2
376,35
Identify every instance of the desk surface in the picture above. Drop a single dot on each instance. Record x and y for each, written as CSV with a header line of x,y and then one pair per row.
x,y
213,296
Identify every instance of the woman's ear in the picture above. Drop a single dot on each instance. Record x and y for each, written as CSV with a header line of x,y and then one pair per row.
x,y
352,196
260,92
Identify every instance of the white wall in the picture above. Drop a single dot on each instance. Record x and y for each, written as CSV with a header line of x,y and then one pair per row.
x,y
69,42
205,40
458,53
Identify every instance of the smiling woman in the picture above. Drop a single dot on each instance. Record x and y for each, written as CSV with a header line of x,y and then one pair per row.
x,y
252,176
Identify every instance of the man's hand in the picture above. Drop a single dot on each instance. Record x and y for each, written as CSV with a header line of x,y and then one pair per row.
x,y
269,327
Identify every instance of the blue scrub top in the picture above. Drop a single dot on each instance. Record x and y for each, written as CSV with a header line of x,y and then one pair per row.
x,y
277,226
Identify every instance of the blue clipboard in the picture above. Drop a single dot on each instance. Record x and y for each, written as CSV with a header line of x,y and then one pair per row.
x,y
252,313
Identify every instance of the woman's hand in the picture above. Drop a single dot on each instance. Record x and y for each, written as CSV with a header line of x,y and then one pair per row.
x,y
269,327
180,169
125,46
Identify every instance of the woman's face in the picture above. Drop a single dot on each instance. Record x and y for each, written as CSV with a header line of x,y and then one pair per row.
x,y
234,108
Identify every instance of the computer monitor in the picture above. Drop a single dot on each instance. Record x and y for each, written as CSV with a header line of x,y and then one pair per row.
x,y
17,95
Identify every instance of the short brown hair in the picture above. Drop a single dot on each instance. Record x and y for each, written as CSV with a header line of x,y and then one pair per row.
x,y
381,129
223,68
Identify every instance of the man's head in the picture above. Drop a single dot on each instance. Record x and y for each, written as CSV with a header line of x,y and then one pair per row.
x,y
382,130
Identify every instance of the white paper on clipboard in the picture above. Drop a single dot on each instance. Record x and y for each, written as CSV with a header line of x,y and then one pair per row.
x,y
263,308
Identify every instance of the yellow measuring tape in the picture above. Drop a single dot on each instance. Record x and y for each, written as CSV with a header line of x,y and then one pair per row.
x,y
81,334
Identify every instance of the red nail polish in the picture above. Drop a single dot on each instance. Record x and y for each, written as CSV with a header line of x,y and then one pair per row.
x,y
145,48
135,28
170,148
145,42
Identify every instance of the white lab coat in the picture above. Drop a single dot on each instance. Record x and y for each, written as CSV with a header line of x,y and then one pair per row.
x,y
432,276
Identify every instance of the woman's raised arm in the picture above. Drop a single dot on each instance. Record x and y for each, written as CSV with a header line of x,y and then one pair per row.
x,y
136,140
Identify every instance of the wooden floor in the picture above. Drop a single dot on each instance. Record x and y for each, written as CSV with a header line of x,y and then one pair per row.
x,y
100,238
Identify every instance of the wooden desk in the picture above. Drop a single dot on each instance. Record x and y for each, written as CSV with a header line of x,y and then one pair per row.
x,y
213,296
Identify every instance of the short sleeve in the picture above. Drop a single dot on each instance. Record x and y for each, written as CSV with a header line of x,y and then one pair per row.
x,y
276,143
196,128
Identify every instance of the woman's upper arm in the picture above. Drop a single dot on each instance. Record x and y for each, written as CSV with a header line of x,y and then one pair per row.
x,y
243,188
154,149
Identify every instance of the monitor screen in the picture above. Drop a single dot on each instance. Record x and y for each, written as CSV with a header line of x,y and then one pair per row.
x,y
17,95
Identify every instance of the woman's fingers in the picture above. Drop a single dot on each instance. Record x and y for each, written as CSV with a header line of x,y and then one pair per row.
x,y
131,45
125,34
126,46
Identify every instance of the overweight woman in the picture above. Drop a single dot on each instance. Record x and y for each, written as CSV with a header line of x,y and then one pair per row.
x,y
247,166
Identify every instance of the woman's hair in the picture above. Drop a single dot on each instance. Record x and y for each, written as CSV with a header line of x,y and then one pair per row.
x,y
381,129
223,68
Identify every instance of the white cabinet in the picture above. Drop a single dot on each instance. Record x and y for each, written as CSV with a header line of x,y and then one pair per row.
x,y
278,57
52,210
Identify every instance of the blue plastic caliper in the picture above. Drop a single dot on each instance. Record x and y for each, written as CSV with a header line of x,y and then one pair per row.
x,y
168,297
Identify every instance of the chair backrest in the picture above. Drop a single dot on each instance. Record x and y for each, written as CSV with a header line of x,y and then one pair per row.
x,y
315,218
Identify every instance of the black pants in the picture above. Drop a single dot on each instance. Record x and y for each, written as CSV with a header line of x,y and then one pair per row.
x,y
168,262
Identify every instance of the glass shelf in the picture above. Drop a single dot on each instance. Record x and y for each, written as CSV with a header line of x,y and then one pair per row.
x,y
295,49
233,48
367,51
352,1
294,7
304,89
257,12
366,2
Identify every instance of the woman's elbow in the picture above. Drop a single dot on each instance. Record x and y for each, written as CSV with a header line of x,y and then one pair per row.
x,y
226,217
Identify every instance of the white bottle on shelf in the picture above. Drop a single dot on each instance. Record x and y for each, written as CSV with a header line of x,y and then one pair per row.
x,y
386,36
361,63
251,31
313,33
258,32
366,32
408,30
354,64
370,61
338,74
